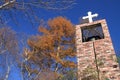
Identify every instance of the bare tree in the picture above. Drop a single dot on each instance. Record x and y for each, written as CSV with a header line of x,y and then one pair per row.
x,y
8,51
29,9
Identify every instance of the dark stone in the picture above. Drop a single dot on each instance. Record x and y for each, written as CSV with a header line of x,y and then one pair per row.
x,y
115,66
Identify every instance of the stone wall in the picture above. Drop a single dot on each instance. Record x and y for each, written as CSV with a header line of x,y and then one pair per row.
x,y
99,53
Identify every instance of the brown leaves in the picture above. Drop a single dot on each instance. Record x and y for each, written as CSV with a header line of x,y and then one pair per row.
x,y
69,64
41,42
54,44
64,63
60,26
44,30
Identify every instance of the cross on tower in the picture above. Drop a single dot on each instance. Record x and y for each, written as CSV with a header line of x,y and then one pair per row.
x,y
90,16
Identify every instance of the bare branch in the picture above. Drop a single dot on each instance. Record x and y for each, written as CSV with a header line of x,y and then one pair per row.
x,y
26,8
7,4
8,69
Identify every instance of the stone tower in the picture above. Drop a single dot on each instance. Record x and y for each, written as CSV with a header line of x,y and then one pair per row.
x,y
95,52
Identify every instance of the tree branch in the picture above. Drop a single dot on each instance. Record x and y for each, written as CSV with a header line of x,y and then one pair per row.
x,y
7,3
8,69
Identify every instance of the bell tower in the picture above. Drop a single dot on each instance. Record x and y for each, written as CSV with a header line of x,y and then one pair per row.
x,y
95,53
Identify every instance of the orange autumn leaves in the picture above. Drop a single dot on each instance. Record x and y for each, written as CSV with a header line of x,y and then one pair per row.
x,y
56,43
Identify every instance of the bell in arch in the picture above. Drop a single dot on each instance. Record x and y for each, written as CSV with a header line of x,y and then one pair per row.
x,y
93,32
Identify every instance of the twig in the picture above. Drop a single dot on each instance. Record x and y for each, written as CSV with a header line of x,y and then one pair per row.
x,y
7,3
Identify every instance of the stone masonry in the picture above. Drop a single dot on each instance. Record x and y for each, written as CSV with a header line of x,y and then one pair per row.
x,y
98,53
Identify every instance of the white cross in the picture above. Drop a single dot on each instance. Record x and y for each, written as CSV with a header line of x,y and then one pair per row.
x,y
90,16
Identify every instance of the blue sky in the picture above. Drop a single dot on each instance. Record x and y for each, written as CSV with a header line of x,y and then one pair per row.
x,y
107,9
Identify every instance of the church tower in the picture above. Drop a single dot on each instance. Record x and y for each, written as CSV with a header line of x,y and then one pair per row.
x,y
95,53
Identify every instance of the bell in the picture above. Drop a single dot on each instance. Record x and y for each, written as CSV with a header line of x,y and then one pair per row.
x,y
93,38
